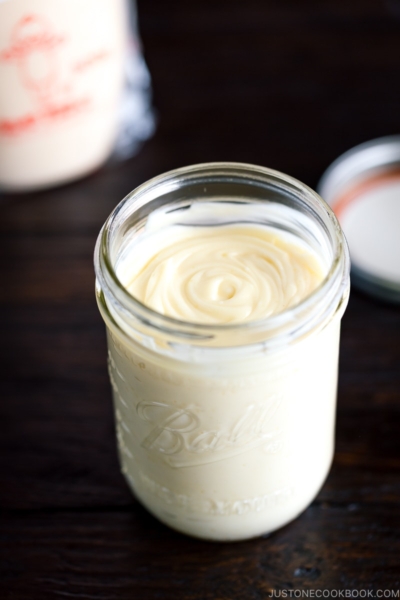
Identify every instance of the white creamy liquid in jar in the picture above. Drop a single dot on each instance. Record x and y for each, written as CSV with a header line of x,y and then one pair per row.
x,y
62,75
223,443
225,274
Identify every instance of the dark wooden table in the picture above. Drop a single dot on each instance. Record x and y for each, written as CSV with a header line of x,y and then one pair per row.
x,y
287,84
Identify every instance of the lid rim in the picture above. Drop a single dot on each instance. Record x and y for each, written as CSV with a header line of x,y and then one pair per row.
x,y
374,286
379,152
342,172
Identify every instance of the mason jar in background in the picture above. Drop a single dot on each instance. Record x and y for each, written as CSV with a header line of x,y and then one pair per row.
x,y
225,432
74,86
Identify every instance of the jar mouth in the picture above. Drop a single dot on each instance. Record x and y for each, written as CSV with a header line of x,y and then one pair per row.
x,y
330,291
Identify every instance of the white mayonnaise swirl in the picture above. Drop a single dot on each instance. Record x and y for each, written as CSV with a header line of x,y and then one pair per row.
x,y
222,274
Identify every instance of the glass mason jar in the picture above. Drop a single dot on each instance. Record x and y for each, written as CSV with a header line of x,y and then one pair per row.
x,y
225,432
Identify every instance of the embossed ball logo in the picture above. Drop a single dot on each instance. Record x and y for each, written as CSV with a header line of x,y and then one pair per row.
x,y
181,439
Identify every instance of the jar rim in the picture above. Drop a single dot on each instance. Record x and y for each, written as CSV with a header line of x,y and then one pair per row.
x,y
114,290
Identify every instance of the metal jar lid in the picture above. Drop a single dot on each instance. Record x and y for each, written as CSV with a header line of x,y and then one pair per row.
x,y
363,188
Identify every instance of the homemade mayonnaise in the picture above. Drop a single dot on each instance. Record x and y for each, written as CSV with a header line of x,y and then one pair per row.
x,y
225,274
224,436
